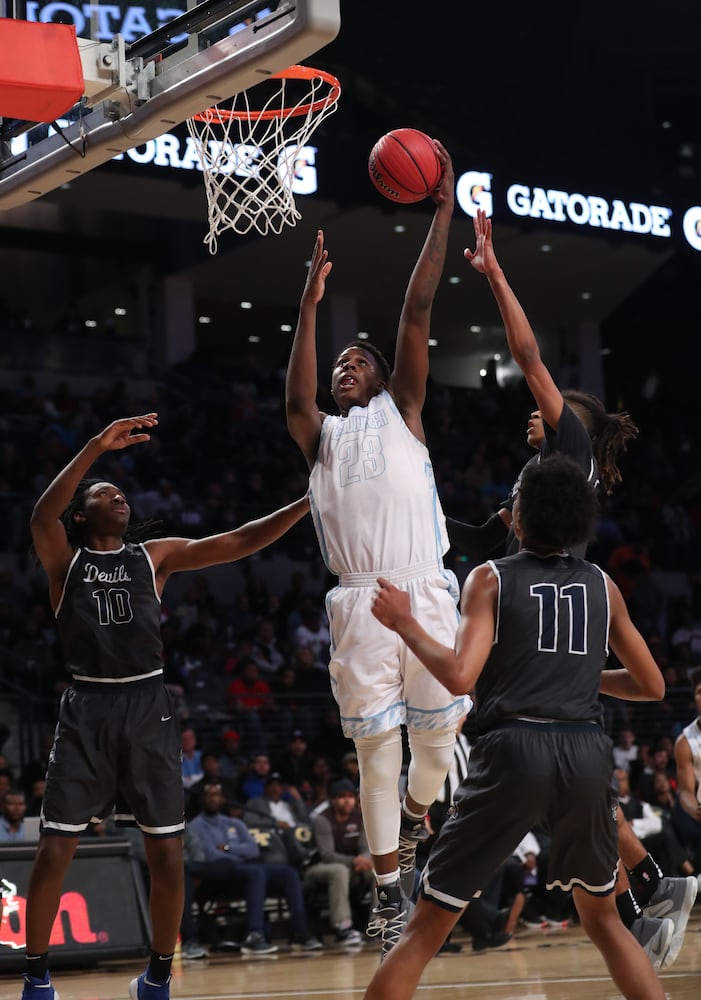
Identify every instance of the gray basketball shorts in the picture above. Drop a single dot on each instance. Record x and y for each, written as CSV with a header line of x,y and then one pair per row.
x,y
556,775
117,749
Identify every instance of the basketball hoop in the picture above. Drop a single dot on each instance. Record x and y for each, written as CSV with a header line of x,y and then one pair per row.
x,y
252,158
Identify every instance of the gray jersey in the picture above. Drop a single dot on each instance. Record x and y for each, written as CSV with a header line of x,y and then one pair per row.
x,y
550,643
108,616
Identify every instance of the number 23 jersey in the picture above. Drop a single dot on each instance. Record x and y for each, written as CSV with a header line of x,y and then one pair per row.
x,y
373,493
108,617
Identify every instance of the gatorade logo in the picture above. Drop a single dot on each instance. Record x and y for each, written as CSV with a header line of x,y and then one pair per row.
x,y
72,916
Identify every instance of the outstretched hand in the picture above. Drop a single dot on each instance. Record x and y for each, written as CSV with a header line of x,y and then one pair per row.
x,y
119,433
446,188
390,605
319,270
483,258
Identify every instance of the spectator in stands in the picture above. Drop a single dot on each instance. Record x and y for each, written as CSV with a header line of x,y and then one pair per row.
x,y
231,760
312,687
295,763
349,768
265,649
313,631
12,813
211,775
249,698
223,837
625,749
252,783
192,756
661,762
283,688
340,838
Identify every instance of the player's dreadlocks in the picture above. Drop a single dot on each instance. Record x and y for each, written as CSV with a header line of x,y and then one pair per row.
x,y
609,433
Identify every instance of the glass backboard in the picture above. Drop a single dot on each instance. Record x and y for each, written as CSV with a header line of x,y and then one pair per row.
x,y
148,67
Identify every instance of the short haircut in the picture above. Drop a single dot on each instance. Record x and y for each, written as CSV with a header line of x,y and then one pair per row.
x,y
379,358
695,678
557,505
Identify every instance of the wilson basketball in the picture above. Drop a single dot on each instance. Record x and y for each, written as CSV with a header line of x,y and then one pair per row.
x,y
404,165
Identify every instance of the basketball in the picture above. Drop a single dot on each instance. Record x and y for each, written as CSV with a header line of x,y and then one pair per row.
x,y
404,166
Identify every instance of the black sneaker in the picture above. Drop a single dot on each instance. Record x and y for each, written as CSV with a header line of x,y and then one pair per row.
x,y
255,944
481,942
349,937
411,833
389,917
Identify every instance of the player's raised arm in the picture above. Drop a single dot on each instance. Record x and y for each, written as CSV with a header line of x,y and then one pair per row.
x,y
411,357
303,417
519,333
48,533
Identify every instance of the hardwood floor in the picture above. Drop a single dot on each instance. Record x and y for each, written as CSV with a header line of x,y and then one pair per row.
x,y
552,965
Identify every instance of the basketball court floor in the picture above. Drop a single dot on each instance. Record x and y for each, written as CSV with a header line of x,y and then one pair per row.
x,y
552,965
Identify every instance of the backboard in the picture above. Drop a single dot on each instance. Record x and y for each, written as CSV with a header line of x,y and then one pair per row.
x,y
147,68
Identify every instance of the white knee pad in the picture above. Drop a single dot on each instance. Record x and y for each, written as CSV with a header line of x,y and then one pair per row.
x,y
431,757
380,765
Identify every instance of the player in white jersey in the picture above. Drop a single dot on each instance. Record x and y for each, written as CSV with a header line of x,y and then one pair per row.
x,y
687,754
376,512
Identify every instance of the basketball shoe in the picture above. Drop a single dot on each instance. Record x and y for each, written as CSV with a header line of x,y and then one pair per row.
x,y
655,937
389,917
412,832
144,988
673,899
38,989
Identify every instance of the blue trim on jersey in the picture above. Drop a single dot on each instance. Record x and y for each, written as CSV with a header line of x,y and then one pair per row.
x,y
438,718
318,525
388,719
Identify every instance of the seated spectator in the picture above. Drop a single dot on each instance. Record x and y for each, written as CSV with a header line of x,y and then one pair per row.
x,y
250,699
350,769
220,837
231,760
660,763
666,803
12,814
279,821
283,688
320,782
265,649
625,748
35,797
279,805
313,631
340,838
295,763
313,690
191,757
655,832
252,782
211,775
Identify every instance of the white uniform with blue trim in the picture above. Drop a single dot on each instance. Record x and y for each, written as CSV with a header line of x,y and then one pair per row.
x,y
377,513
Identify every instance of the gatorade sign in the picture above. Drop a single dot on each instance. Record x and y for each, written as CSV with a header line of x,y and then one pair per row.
x,y
478,189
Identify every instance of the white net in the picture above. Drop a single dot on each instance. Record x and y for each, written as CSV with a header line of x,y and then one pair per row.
x,y
254,158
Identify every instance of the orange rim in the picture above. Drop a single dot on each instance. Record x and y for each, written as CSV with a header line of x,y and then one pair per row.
x,y
291,73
